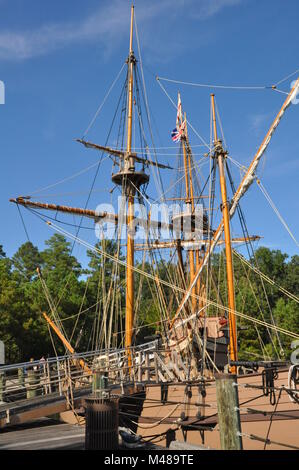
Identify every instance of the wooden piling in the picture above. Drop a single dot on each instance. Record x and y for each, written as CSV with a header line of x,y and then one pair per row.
x,y
147,367
21,377
2,386
228,412
32,383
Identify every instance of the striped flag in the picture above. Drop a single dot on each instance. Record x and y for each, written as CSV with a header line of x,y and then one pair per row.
x,y
177,133
179,118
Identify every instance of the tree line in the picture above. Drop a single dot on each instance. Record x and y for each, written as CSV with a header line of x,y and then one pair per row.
x,y
26,334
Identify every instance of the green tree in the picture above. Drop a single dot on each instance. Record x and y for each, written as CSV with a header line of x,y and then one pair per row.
x,y
291,280
26,260
2,253
102,286
106,288
58,259
286,315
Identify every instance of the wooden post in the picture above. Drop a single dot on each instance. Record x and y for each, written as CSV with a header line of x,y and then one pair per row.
x,y
156,368
48,377
32,382
120,369
2,386
59,378
99,383
139,376
147,367
228,412
21,377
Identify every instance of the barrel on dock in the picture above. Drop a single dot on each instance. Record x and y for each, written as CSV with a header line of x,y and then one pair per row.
x,y
101,424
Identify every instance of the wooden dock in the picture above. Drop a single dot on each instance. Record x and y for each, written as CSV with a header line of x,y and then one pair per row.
x,y
43,434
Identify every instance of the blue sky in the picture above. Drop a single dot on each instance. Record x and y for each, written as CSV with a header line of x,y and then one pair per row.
x,y
58,58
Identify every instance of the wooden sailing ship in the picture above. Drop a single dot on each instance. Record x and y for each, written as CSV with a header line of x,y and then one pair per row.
x,y
196,335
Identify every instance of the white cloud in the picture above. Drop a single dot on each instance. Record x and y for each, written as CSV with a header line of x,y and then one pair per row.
x,y
107,25
258,121
102,24
207,8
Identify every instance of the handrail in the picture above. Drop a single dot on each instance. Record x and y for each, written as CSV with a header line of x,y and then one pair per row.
x,y
97,352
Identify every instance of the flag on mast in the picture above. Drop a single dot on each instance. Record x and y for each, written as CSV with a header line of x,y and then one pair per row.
x,y
179,119
177,133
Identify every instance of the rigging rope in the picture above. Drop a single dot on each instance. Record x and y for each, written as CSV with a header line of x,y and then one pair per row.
x,y
103,102
102,158
232,87
153,425
288,76
267,441
249,245
271,418
154,278
156,171
246,235
270,281
175,106
23,223
267,196
205,85
68,178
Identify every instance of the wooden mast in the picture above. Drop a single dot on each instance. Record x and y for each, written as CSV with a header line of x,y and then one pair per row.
x,y
190,204
247,180
220,155
196,252
129,163
91,214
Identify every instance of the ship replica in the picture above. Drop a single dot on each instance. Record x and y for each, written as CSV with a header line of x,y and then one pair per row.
x,y
196,334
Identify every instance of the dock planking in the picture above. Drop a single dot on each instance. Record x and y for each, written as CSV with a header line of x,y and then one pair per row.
x,y
45,434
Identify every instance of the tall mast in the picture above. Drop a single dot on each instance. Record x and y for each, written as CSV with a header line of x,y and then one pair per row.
x,y
131,61
220,154
190,204
246,182
196,252
129,163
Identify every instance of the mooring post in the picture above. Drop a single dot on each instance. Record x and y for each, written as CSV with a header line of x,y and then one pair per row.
x,y
139,376
48,378
58,378
99,383
147,367
33,381
156,368
21,377
228,412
